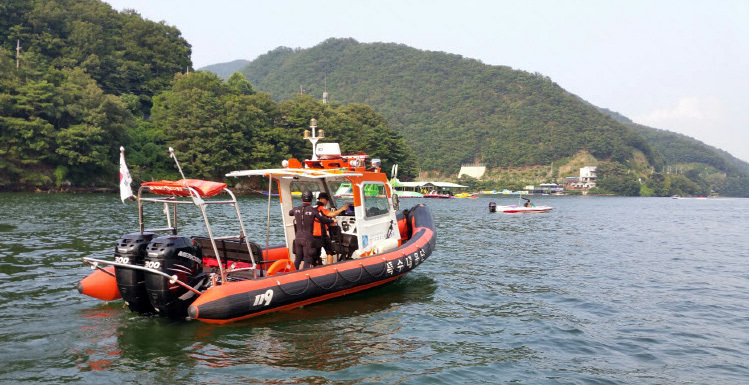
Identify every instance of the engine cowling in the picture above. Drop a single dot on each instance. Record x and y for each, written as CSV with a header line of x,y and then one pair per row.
x,y
131,250
176,256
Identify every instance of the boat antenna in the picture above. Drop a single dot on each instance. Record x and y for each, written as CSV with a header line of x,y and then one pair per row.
x,y
171,155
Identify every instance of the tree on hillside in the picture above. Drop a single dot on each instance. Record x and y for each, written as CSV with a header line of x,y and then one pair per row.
x,y
216,127
452,110
56,126
122,52
615,178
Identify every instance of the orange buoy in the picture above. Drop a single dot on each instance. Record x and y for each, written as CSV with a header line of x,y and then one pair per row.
x,y
280,266
100,284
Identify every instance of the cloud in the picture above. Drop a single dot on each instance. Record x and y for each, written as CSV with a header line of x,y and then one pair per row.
x,y
691,110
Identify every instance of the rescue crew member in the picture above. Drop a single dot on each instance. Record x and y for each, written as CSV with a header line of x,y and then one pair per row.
x,y
320,231
304,243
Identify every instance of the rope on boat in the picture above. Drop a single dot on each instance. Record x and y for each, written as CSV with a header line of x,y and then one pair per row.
x,y
324,288
280,287
384,269
361,272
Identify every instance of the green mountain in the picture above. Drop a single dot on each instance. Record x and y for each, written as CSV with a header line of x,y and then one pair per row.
x,y
453,110
84,75
224,70
89,79
678,148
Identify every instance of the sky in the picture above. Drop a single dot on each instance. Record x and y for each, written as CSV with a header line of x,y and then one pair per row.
x,y
681,65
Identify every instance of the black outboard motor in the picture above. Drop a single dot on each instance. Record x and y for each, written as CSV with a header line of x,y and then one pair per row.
x,y
492,207
131,250
173,255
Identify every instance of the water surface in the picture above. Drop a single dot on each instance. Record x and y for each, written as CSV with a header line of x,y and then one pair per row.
x,y
602,290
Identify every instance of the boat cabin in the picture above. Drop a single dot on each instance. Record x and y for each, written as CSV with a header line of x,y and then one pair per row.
x,y
369,223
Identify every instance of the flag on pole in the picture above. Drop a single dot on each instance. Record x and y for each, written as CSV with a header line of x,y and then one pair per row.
x,y
125,191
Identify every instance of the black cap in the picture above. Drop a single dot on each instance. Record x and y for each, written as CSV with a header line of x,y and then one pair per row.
x,y
323,195
306,196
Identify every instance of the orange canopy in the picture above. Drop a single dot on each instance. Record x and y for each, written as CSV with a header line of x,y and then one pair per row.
x,y
205,188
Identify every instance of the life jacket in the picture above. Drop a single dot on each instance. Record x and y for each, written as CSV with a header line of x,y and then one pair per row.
x,y
319,229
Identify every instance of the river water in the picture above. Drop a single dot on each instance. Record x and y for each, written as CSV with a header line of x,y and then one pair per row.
x,y
601,290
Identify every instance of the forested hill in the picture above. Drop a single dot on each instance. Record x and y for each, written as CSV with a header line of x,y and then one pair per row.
x,y
452,110
85,75
89,79
224,70
678,148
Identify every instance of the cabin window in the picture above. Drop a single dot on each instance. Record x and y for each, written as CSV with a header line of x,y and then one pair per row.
x,y
298,186
375,199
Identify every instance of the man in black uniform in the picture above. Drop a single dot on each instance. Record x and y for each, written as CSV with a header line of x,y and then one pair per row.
x,y
304,218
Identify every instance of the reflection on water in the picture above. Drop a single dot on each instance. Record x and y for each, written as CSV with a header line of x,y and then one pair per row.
x,y
330,336
600,290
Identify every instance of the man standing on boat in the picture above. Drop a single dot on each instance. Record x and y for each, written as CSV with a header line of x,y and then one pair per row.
x,y
305,215
321,231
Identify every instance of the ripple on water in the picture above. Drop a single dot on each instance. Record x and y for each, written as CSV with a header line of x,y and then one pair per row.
x,y
600,290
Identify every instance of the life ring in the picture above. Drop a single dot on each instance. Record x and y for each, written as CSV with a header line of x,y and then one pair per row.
x,y
280,266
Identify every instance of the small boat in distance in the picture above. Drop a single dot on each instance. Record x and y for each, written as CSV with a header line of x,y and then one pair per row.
x,y
513,209
527,207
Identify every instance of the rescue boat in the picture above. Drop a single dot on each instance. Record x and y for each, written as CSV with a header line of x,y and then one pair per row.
x,y
219,279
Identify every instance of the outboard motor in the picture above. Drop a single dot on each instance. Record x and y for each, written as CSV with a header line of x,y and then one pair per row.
x,y
492,207
131,250
173,255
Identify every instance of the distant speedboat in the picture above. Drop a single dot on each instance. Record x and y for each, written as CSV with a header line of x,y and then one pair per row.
x,y
511,209
465,195
526,207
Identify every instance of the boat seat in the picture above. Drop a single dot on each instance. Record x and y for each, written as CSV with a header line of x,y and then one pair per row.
x,y
230,249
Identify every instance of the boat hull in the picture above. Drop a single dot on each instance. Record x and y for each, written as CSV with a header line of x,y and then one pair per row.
x,y
522,209
234,301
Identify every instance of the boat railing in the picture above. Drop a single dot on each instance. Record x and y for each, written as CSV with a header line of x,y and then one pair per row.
x,y
196,198
94,263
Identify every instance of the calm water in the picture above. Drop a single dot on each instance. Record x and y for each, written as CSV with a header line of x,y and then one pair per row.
x,y
601,290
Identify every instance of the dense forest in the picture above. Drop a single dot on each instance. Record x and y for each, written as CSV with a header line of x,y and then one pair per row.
x,y
453,110
79,79
89,79
701,165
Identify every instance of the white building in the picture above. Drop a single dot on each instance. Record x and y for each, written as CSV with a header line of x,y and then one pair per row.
x,y
585,181
588,176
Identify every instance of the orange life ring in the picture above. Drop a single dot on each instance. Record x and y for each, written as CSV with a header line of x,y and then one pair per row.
x,y
280,266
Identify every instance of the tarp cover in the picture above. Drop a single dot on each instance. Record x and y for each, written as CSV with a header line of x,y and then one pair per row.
x,y
205,188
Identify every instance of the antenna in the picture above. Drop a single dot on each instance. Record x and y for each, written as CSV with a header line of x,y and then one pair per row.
x,y
171,155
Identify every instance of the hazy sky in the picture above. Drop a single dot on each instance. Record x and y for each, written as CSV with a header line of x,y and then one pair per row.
x,y
678,65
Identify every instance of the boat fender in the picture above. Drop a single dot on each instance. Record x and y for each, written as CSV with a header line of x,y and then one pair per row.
x,y
385,245
101,284
280,266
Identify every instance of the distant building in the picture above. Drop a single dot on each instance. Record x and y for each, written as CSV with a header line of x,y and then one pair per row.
x,y
588,176
585,181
